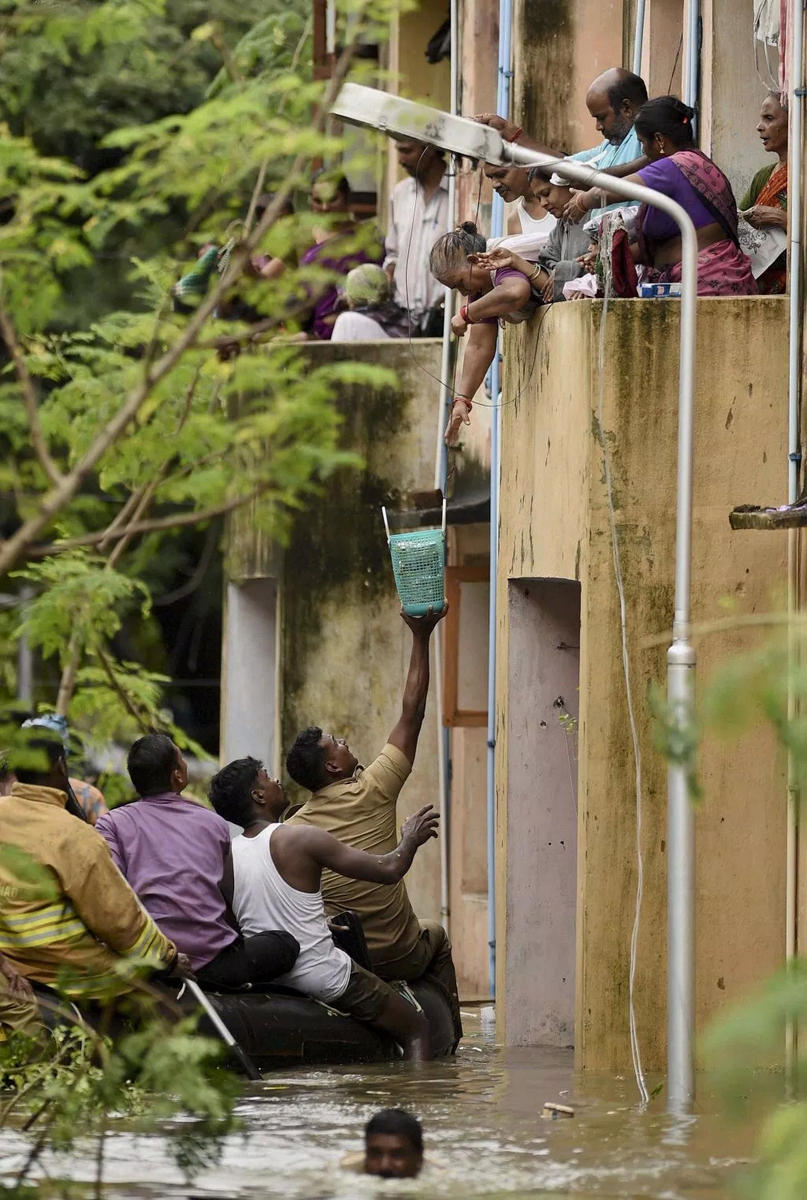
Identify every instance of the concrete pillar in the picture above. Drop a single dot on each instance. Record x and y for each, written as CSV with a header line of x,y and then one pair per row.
x,y
249,671
539,966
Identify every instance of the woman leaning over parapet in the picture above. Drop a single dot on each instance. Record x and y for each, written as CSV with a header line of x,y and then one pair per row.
x,y
504,294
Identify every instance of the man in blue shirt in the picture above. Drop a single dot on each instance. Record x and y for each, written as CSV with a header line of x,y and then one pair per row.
x,y
613,99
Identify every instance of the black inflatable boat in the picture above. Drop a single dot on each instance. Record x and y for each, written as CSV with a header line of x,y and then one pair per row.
x,y
280,1028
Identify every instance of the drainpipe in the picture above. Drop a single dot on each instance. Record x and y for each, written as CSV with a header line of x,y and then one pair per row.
x,y
440,473
795,136
638,37
691,79
393,115
496,230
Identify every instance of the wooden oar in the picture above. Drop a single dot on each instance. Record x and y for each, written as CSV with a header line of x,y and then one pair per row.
x,y
223,1032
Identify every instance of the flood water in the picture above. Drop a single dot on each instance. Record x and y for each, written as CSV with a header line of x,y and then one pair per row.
x,y
484,1135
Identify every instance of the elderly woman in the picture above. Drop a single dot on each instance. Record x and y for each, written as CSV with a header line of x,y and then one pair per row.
x,y
372,315
679,170
503,294
764,205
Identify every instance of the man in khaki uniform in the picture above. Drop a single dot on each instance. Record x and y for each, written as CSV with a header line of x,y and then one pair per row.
x,y
358,806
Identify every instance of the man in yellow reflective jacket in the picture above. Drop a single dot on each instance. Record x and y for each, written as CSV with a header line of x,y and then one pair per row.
x,y
68,918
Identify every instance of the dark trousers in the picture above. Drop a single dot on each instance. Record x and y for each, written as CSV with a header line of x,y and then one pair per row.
x,y
256,959
429,959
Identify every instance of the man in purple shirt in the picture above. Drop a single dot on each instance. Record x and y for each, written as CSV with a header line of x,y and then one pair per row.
x,y
174,853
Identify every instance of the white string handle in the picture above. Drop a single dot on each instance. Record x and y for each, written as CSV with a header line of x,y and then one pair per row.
x,y
386,522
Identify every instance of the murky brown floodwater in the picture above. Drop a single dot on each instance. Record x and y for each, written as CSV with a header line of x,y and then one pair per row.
x,y
485,1136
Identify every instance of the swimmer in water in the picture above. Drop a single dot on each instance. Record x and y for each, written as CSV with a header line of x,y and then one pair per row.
x,y
393,1145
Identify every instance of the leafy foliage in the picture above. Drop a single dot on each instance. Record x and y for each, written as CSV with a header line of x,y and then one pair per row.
x,y
63,1086
121,421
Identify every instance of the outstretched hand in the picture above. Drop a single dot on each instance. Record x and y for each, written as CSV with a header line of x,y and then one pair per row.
x,y
576,208
422,825
506,128
492,260
460,415
425,625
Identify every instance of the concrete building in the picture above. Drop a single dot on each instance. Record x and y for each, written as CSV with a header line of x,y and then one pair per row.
x,y
580,382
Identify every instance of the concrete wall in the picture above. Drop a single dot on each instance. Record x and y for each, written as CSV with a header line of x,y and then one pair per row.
x,y
542,713
558,48
344,649
249,671
555,525
732,91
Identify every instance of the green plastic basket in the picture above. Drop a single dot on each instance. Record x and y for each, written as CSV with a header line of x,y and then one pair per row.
x,y
419,567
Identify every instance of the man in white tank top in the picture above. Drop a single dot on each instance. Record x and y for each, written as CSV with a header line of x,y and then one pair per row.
x,y
276,873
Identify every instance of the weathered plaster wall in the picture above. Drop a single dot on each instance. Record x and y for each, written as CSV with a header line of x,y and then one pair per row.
x,y
344,649
554,525
559,46
732,91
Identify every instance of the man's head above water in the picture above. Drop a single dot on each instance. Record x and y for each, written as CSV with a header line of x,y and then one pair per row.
x,y
613,100
317,759
393,1145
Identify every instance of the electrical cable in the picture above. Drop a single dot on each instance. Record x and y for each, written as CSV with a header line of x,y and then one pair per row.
x,y
637,754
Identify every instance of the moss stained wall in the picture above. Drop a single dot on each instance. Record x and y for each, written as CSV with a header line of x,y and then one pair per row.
x,y
559,46
555,524
344,649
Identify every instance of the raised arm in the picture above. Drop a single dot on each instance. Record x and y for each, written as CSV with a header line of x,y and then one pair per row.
x,y
327,851
407,731
582,202
475,362
514,133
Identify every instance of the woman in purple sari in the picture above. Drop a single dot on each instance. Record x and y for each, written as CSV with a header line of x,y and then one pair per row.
x,y
685,174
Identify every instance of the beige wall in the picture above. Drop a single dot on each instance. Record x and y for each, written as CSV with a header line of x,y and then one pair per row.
x,y
344,649
731,91
558,48
555,525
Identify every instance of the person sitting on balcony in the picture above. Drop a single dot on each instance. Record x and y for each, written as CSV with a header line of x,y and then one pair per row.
x,y
493,295
764,205
679,170
372,315
277,872
358,806
613,99
174,853
337,251
559,261
512,184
